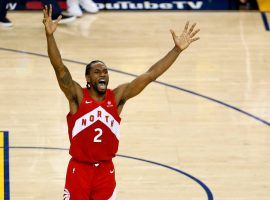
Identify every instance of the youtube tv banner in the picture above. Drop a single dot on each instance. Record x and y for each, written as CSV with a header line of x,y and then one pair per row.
x,y
132,5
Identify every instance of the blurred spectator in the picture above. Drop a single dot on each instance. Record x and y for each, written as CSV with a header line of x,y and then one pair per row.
x,y
73,7
243,4
57,11
248,5
4,21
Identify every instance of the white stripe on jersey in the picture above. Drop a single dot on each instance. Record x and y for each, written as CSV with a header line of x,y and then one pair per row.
x,y
90,118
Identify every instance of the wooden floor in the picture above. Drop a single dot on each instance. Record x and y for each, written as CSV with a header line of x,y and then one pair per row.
x,y
222,142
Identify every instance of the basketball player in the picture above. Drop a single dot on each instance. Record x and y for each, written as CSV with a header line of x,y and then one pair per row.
x,y
93,120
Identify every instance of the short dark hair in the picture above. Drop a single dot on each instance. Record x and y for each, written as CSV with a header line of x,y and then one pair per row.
x,y
88,67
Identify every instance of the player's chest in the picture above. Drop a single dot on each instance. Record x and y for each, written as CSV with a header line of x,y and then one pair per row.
x,y
88,105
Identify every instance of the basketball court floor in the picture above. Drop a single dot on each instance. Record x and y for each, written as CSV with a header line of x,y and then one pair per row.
x,y
202,131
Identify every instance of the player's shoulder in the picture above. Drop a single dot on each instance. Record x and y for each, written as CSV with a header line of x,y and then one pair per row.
x,y
110,92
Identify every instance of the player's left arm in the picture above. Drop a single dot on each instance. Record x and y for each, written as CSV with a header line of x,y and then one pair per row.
x,y
129,90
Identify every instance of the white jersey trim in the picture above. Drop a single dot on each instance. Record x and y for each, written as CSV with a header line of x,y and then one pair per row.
x,y
90,118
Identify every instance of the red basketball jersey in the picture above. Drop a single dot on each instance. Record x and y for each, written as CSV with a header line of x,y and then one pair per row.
x,y
94,129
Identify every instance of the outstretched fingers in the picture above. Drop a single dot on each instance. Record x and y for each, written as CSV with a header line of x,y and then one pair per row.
x,y
45,13
58,19
194,33
186,26
50,11
191,28
194,39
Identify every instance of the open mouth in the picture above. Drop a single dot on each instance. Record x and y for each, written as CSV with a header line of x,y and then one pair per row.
x,y
102,84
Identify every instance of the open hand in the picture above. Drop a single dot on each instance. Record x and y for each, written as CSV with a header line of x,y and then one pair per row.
x,y
186,38
50,25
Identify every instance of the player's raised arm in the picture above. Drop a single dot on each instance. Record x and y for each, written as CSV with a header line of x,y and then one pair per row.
x,y
67,85
129,90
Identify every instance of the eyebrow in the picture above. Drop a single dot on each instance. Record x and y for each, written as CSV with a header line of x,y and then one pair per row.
x,y
105,69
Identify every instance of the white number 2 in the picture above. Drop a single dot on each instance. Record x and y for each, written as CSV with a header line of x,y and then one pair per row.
x,y
97,138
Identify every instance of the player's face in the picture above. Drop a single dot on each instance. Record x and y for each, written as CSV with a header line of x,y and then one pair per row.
x,y
99,77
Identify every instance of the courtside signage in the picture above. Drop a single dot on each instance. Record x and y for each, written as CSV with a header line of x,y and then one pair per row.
x,y
133,5
147,5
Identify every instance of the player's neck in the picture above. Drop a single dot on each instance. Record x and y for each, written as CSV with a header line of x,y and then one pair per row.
x,y
95,95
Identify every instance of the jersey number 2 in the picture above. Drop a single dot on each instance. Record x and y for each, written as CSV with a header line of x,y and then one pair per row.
x,y
97,137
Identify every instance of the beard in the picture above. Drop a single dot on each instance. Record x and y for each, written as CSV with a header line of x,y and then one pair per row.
x,y
101,92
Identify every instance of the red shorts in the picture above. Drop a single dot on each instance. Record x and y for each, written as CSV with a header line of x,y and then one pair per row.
x,y
90,181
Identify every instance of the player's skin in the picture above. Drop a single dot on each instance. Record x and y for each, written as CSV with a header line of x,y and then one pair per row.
x,y
99,77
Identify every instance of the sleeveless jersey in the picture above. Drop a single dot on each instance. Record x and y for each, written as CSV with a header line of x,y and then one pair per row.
x,y
94,129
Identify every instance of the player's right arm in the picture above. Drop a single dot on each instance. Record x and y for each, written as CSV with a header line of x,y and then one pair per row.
x,y
133,88
71,89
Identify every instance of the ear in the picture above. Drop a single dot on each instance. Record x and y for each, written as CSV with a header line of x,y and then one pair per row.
x,y
87,78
